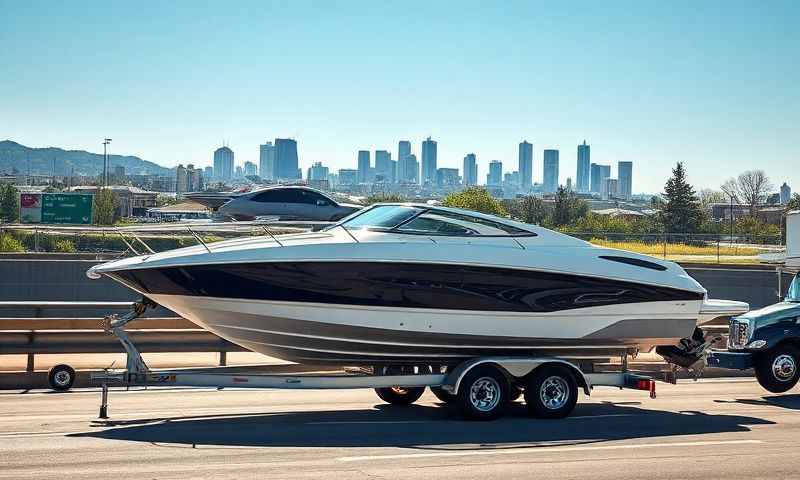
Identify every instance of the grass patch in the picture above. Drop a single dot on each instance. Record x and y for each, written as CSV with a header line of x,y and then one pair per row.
x,y
657,249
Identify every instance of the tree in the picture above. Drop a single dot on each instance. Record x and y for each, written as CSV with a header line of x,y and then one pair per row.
x,y
105,207
568,208
529,209
384,198
708,196
793,203
475,198
9,203
681,210
749,188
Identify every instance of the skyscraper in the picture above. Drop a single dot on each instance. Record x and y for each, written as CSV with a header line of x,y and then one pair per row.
x,y
428,161
495,176
610,189
625,177
223,163
250,168
599,175
550,182
384,169
470,170
584,168
786,193
403,151
363,166
266,161
286,159
412,168
525,166
208,173
447,177
317,172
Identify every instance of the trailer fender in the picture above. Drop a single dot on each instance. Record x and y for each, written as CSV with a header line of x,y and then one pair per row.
x,y
515,367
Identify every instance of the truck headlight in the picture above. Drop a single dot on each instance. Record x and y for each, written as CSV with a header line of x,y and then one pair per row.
x,y
756,344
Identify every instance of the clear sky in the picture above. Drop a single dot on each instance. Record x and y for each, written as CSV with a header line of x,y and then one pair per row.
x,y
714,84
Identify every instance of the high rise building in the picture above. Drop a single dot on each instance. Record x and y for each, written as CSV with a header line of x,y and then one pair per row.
x,y
550,182
348,177
223,163
599,175
470,170
447,177
569,184
363,166
625,176
786,193
208,173
317,172
181,179
525,166
428,161
384,168
610,189
403,151
412,168
188,179
286,162
239,172
495,176
583,180
250,169
266,161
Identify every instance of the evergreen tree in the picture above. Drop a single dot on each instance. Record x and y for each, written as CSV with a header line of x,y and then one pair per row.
x,y
681,211
9,203
105,205
568,208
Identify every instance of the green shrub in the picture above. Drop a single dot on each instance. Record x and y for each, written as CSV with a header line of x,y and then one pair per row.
x,y
477,199
63,246
10,244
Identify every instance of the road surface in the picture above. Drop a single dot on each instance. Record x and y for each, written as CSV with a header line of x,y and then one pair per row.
x,y
725,428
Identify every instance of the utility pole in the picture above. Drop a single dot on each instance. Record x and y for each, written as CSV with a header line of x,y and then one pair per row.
x,y
105,162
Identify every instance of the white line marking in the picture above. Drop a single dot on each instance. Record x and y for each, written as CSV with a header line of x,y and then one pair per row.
x,y
518,451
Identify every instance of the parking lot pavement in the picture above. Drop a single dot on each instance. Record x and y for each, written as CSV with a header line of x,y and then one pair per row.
x,y
727,428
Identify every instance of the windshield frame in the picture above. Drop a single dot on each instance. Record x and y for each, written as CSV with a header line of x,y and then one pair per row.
x,y
422,211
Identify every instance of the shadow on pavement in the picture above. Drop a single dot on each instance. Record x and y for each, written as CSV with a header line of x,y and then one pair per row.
x,y
419,426
791,402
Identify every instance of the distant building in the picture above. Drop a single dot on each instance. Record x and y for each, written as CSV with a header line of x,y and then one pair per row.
x,y
525,166
223,163
119,173
208,173
188,179
131,201
363,166
550,183
599,175
317,172
495,176
286,162
348,177
412,168
266,161
569,184
403,170
786,194
447,177
625,176
181,179
610,190
384,167
250,169
583,180
239,172
428,161
470,170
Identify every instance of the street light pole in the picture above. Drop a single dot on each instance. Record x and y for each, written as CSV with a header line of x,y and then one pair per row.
x,y
105,162
730,195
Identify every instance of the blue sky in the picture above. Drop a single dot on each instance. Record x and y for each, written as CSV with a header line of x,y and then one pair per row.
x,y
714,84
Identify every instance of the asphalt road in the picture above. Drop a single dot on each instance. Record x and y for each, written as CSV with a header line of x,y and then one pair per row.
x,y
726,428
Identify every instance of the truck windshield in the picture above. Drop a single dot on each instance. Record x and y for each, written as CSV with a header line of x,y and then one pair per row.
x,y
793,295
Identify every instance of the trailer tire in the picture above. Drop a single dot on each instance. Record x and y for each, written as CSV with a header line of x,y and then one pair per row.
x,y
551,392
400,395
778,369
61,377
483,393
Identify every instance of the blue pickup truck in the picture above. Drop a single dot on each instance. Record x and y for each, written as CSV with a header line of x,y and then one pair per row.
x,y
767,340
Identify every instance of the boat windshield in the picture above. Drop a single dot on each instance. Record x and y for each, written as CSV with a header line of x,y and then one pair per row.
x,y
793,295
423,221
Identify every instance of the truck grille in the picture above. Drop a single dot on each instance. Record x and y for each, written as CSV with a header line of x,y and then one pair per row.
x,y
738,334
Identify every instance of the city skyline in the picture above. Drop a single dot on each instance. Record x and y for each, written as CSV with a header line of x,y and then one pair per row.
x,y
703,98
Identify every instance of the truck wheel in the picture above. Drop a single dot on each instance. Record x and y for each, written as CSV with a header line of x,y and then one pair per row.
x,y
777,369
61,377
400,395
443,396
483,393
551,392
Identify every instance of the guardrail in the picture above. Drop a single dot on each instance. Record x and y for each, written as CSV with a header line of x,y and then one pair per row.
x,y
38,334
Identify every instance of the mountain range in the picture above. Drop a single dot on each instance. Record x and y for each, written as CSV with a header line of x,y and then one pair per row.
x,y
20,159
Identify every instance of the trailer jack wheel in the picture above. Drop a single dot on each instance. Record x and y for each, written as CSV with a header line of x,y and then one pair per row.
x,y
400,395
61,377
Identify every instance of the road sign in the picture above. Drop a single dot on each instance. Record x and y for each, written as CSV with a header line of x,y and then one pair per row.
x,y
59,208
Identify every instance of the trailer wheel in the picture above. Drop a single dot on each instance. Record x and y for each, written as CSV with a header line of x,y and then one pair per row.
x,y
444,396
400,395
483,393
61,377
551,392
777,369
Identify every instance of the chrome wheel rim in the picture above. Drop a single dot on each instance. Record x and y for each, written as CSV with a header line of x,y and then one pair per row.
x,y
61,378
784,367
484,394
554,393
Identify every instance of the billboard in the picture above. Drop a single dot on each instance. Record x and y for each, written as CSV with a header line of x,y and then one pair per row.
x,y
57,208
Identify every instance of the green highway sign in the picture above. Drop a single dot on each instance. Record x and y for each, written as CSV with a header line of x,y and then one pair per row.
x,y
70,208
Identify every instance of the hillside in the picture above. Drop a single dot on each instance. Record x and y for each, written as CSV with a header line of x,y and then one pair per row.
x,y
14,158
